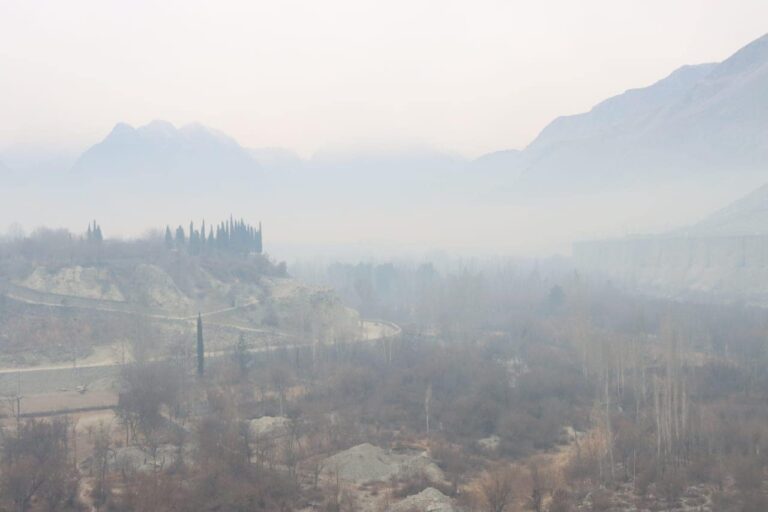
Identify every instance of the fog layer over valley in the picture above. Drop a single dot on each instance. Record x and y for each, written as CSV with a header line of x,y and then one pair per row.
x,y
636,155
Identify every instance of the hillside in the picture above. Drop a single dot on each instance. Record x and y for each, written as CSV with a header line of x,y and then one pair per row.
x,y
60,294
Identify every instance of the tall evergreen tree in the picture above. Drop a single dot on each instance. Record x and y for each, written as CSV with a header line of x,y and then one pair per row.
x,y
97,236
200,347
180,238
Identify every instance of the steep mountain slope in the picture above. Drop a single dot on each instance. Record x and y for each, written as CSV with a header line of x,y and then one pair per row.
x,y
704,120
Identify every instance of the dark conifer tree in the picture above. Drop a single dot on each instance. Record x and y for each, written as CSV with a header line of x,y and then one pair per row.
x,y
168,237
200,347
180,238
97,236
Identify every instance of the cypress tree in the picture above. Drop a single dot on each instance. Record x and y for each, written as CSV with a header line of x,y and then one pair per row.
x,y
180,237
200,347
168,237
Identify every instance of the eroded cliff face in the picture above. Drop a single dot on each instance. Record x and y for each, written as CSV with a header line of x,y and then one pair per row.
x,y
718,268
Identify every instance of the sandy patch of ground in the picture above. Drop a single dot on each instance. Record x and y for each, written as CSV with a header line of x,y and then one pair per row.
x,y
87,282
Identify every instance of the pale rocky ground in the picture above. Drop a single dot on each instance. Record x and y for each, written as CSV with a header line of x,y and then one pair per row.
x,y
88,282
368,463
156,289
365,468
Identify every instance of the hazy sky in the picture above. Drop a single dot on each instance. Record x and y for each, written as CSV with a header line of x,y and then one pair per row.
x,y
470,76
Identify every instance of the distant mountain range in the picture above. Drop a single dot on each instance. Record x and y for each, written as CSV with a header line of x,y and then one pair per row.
x,y
701,120
654,156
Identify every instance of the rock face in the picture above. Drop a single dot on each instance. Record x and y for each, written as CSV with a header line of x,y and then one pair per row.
x,y
428,500
367,463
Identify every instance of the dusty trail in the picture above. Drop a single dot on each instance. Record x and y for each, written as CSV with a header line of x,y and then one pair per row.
x,y
105,309
371,330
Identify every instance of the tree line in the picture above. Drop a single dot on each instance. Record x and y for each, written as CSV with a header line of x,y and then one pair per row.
x,y
235,236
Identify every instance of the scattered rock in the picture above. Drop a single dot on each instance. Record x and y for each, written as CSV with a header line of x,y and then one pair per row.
x,y
489,444
428,500
272,426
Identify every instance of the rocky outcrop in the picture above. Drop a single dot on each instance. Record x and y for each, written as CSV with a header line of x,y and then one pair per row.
x,y
367,463
269,426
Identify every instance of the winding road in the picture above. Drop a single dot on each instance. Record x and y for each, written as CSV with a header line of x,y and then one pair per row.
x,y
66,377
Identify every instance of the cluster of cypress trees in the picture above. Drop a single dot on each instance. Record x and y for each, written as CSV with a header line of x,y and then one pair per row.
x,y
94,233
235,236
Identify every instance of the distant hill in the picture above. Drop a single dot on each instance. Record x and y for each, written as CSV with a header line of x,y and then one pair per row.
x,y
159,148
